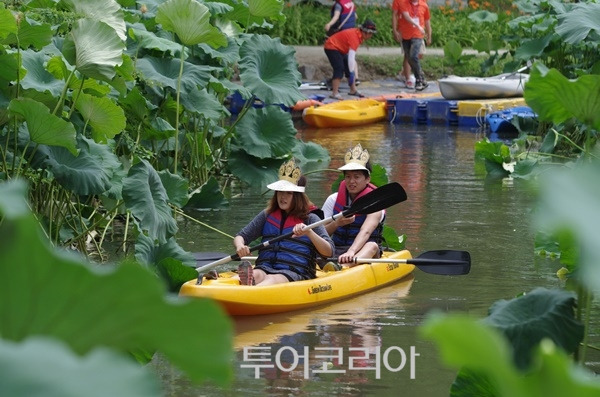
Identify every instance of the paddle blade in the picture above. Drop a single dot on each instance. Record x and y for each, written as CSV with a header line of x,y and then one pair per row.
x,y
445,262
381,198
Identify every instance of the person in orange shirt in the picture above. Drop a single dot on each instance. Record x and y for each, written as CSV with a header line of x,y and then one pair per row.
x,y
346,42
411,28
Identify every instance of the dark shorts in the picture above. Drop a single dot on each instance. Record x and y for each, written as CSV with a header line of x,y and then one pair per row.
x,y
339,63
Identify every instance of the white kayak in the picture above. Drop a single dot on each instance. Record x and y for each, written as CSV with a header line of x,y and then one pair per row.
x,y
505,85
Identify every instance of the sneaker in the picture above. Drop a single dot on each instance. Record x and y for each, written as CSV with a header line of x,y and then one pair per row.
x,y
246,273
332,267
410,85
400,77
421,85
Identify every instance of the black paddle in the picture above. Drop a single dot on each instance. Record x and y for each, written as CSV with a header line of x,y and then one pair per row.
x,y
443,262
377,200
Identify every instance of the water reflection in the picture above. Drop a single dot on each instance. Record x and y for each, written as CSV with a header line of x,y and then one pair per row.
x,y
450,205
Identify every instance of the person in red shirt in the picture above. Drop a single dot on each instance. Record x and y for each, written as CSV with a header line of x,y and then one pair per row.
x,y
346,42
411,28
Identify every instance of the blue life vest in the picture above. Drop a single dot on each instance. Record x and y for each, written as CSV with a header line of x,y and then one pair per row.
x,y
297,254
345,235
347,17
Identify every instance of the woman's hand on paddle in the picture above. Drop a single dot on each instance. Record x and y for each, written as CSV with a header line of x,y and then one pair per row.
x,y
243,250
300,231
343,221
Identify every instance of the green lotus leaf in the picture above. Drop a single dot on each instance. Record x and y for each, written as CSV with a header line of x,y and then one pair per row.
x,y
483,16
30,34
94,48
107,11
190,20
202,102
228,55
90,172
176,188
165,72
44,128
311,155
269,69
147,199
102,114
8,23
242,15
555,98
533,48
159,129
151,41
12,205
56,294
559,190
577,24
176,273
37,77
253,170
208,196
151,253
48,365
467,343
9,67
540,314
266,133
265,8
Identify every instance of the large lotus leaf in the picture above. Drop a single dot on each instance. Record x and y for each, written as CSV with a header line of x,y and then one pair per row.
x,y
90,172
208,196
44,364
44,128
559,191
9,68
8,23
107,11
540,314
135,105
53,293
202,102
577,24
242,15
311,155
147,199
31,34
165,72
176,188
269,69
265,8
94,48
151,41
252,170
102,114
190,20
533,48
467,343
555,98
266,132
483,16
159,129
174,265
229,54
37,77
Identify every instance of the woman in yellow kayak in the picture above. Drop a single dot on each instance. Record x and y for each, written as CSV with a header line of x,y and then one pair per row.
x,y
289,210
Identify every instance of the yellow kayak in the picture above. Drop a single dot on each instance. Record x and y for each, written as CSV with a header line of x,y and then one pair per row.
x,y
242,300
346,113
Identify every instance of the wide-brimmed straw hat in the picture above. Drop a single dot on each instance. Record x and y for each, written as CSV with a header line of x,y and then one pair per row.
x,y
289,174
356,159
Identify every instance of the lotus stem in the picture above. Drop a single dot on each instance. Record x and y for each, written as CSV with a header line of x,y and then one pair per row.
x,y
178,211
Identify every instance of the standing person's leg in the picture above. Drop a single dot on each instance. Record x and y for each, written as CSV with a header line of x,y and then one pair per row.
x,y
415,63
336,60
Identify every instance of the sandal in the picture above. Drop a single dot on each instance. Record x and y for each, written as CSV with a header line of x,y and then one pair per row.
x,y
211,275
335,96
356,93
246,273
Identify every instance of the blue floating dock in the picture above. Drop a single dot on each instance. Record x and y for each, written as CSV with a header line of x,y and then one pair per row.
x,y
437,110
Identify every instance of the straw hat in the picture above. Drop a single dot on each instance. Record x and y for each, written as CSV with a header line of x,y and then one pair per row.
x,y
289,174
355,159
